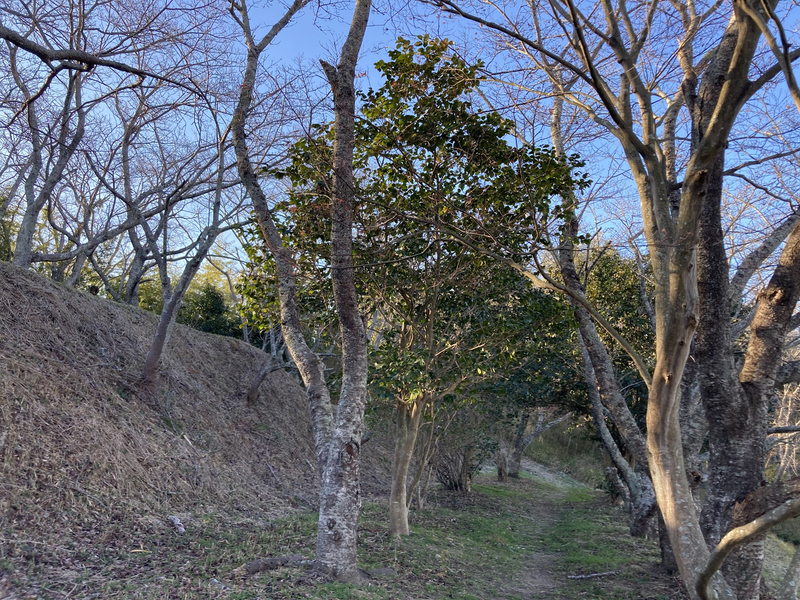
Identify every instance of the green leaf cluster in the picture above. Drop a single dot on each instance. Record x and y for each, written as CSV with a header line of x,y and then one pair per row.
x,y
436,177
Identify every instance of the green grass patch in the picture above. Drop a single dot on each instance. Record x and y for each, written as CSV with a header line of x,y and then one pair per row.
x,y
570,450
498,491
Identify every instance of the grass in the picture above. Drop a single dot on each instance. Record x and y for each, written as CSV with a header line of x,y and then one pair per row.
x,y
571,450
507,541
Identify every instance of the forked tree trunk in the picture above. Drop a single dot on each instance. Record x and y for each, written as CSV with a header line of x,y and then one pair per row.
x,y
523,439
409,417
337,440
169,311
340,492
66,148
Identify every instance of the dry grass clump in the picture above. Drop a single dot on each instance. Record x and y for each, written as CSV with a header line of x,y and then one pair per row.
x,y
82,443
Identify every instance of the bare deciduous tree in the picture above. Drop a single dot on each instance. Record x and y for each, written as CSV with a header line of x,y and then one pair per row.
x,y
337,433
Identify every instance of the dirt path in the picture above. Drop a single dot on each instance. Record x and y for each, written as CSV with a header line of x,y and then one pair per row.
x,y
578,533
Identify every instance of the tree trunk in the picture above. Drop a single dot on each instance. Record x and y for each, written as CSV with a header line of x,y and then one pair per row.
x,y
522,441
737,423
501,460
466,469
408,422
642,495
170,309
517,450
791,580
340,493
23,247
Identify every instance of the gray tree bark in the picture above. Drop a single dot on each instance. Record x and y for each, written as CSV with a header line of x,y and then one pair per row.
x,y
523,438
337,439
409,417
340,492
66,143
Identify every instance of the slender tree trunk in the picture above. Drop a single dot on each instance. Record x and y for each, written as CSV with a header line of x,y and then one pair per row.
x,y
523,439
425,455
131,292
169,311
340,493
77,268
642,496
23,248
515,460
408,421
466,469
602,367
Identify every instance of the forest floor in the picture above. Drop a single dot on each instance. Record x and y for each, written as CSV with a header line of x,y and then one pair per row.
x,y
91,468
544,536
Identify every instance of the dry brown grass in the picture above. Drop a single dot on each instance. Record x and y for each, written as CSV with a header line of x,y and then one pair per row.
x,y
81,443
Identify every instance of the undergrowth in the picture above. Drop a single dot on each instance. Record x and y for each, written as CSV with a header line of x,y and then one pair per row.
x,y
509,541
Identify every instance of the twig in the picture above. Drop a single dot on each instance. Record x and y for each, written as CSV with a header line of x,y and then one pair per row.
x,y
590,576
87,494
271,470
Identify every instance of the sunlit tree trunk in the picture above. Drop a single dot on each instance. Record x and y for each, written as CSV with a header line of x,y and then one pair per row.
x,y
337,436
409,416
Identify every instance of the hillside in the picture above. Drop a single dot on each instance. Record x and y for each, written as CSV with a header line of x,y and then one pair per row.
x,y
82,446
92,467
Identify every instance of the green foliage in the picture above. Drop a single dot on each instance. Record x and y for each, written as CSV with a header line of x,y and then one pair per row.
x,y
8,232
613,286
432,168
205,309
573,450
150,298
258,283
789,531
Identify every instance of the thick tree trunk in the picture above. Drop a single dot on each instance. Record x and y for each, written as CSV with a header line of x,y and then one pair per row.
x,y
737,427
501,461
408,421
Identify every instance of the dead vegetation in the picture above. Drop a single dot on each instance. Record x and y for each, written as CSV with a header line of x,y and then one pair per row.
x,y
82,446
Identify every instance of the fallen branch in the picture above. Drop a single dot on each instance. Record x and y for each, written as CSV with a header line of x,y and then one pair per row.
x,y
591,575
266,564
786,429
271,470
